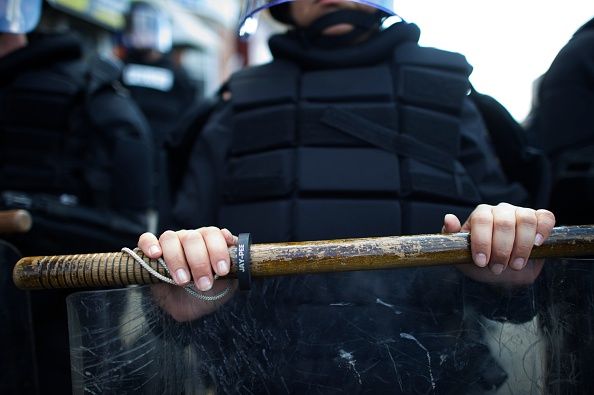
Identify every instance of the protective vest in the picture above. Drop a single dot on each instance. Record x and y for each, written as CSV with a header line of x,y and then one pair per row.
x,y
358,150
74,148
349,152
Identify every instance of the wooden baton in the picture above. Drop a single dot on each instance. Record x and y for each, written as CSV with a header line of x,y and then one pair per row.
x,y
276,259
15,221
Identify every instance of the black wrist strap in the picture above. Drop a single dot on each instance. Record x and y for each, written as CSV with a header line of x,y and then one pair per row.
x,y
244,261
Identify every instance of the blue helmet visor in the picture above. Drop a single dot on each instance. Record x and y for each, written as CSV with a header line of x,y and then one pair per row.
x,y
150,29
250,8
19,16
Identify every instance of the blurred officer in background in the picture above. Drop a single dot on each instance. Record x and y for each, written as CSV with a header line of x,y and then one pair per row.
x,y
562,123
163,90
75,151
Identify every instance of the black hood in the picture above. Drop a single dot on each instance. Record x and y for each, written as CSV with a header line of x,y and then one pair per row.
x,y
41,51
376,49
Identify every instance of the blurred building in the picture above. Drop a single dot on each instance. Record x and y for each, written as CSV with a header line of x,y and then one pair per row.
x,y
204,36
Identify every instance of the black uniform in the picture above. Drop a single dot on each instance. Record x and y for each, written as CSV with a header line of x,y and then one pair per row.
x,y
164,93
375,139
562,123
76,152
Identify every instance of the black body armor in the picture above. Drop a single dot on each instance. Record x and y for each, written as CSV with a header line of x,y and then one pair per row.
x,y
362,151
74,149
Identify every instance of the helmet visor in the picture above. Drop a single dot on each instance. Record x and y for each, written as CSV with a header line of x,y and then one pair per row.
x,y
248,21
19,16
150,29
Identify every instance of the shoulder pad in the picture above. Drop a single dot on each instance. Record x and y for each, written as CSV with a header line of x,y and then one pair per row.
x,y
411,53
279,81
103,71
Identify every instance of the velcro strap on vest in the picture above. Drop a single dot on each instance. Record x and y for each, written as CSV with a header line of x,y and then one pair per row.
x,y
387,139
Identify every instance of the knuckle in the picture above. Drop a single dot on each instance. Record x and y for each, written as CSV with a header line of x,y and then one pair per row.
x,y
546,217
146,234
505,224
485,219
192,235
481,246
526,217
167,235
175,260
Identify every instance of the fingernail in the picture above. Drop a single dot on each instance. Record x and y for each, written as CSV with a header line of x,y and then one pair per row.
x,y
182,276
480,260
154,250
538,240
518,263
223,267
204,283
497,268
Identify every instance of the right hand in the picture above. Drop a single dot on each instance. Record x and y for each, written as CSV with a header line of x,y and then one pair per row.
x,y
192,254
199,252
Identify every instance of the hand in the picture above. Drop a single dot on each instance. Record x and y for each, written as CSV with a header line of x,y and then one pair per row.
x,y
502,236
200,252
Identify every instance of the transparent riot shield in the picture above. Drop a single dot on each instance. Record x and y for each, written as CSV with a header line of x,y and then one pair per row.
x,y
439,330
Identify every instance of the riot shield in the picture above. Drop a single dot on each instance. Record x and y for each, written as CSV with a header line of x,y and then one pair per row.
x,y
18,370
418,330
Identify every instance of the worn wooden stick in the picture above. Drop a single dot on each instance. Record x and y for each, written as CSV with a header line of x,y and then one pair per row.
x,y
15,221
119,269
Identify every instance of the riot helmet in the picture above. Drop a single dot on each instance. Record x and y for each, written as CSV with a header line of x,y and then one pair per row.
x,y
19,16
147,28
279,9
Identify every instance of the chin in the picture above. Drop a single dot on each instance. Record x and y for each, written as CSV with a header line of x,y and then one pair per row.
x,y
337,30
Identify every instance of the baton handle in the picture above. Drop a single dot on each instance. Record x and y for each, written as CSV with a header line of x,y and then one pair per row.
x,y
276,259
15,221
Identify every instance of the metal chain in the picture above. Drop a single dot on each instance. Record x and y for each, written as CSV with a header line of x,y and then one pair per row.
x,y
190,288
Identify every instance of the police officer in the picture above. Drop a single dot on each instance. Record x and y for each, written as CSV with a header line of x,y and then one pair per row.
x,y
163,91
75,151
562,123
352,130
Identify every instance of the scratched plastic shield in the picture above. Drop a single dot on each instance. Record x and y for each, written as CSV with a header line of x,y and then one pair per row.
x,y
406,331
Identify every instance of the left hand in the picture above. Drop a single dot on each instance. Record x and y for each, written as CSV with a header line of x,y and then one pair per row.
x,y
502,236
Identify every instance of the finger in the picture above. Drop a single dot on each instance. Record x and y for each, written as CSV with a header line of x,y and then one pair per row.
x,y
480,224
504,234
174,257
218,252
525,236
546,222
231,240
451,224
149,244
198,259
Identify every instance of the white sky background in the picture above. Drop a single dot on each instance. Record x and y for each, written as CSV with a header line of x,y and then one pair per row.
x,y
509,43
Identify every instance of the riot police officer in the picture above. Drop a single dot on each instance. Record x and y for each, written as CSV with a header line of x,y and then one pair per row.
x,y
562,123
75,151
352,130
163,91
